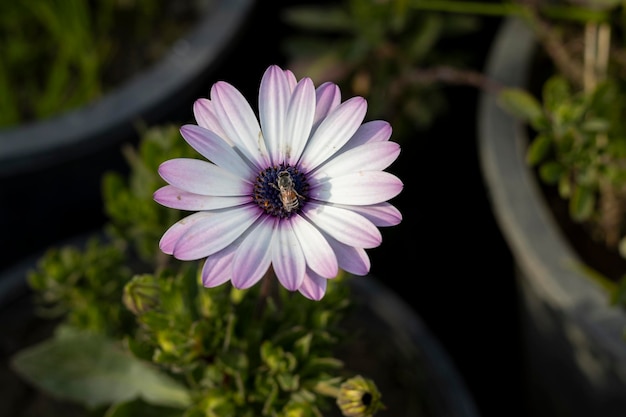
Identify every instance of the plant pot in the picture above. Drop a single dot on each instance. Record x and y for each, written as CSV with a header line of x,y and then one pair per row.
x,y
395,348
573,339
50,170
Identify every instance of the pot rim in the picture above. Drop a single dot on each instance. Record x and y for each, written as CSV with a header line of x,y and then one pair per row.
x,y
547,261
148,94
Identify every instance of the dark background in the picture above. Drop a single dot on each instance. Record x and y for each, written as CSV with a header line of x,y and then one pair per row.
x,y
447,259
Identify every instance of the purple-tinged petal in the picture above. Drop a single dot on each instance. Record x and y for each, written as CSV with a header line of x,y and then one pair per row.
x,y
333,132
317,252
239,122
205,116
254,256
274,96
360,188
351,259
217,268
381,214
368,132
287,256
178,229
291,80
374,156
299,121
172,197
313,286
344,225
216,150
201,177
328,97
213,232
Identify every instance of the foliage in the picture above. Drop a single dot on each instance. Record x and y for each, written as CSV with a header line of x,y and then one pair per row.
x,y
389,52
59,54
140,335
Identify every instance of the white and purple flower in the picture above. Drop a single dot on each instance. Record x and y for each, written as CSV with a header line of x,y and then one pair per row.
x,y
300,189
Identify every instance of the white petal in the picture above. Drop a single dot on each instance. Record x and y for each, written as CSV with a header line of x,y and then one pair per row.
x,y
173,197
344,225
317,252
253,257
201,177
361,188
287,256
274,96
313,286
333,132
175,231
382,214
239,122
351,259
204,114
217,268
299,120
216,150
328,97
372,131
214,231
374,156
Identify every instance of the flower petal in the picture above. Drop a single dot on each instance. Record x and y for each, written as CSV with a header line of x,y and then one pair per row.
x,y
299,122
175,198
201,177
218,268
351,259
359,188
373,131
239,122
216,150
254,256
328,97
374,156
287,256
213,232
381,214
313,286
317,252
274,96
333,132
344,225
204,113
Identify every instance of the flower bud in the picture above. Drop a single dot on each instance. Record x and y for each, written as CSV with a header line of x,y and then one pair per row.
x,y
141,294
359,397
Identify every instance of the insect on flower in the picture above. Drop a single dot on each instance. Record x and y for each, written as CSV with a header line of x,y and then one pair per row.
x,y
288,194
300,187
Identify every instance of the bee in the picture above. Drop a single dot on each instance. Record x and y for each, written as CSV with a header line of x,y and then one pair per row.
x,y
288,194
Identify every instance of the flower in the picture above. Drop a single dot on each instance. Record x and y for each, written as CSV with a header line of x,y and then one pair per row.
x,y
302,189
359,397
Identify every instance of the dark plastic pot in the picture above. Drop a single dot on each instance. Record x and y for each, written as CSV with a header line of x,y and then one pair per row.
x,y
413,371
573,339
50,170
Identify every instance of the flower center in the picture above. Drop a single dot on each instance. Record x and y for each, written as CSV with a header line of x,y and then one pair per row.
x,y
280,190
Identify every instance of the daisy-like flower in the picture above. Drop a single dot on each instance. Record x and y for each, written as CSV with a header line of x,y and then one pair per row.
x,y
301,189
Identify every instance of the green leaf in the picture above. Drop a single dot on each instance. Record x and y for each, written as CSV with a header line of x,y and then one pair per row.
x,y
538,149
582,203
140,408
521,104
88,368
551,172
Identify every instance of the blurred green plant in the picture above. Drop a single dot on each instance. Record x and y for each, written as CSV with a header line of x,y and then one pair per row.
x,y
388,51
60,54
138,334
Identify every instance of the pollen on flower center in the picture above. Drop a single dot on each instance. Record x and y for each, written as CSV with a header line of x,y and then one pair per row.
x,y
280,190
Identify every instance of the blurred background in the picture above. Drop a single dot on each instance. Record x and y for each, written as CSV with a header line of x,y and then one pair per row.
x,y
447,258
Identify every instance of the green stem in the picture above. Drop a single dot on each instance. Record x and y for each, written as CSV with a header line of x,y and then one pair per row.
x,y
571,13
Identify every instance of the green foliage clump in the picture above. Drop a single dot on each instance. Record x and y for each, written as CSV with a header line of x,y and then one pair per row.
x,y
60,54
